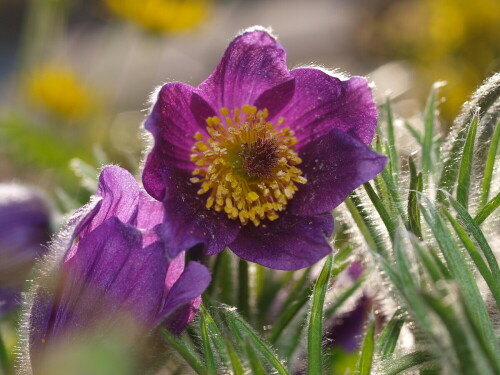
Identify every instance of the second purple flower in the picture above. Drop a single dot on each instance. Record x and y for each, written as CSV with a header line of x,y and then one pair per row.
x,y
257,156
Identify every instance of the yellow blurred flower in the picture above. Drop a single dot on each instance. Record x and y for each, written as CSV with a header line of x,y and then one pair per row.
x,y
452,40
58,90
162,15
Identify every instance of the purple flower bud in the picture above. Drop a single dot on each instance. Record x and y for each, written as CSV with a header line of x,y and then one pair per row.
x,y
24,231
107,272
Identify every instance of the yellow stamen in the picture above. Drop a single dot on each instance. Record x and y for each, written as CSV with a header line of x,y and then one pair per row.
x,y
246,165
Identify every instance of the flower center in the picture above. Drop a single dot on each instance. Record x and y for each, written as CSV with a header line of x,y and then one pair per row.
x,y
246,165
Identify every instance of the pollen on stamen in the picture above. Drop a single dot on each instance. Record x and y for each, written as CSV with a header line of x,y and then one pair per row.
x,y
247,167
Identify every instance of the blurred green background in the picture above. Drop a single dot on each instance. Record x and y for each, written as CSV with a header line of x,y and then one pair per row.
x,y
76,75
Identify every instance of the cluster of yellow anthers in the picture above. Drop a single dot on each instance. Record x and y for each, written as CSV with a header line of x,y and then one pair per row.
x,y
247,165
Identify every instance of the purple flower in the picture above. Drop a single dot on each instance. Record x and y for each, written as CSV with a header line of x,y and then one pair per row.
x,y
111,266
257,156
24,230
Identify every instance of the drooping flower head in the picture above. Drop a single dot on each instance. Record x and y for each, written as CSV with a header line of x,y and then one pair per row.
x,y
112,268
25,227
257,155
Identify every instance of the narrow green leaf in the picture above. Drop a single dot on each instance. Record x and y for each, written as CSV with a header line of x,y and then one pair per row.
x,y
259,344
365,224
254,360
393,155
182,347
429,125
490,163
235,361
413,211
386,342
462,272
465,167
208,351
476,257
364,365
315,330
433,266
394,194
379,206
414,132
459,339
487,210
214,336
484,97
406,362
478,235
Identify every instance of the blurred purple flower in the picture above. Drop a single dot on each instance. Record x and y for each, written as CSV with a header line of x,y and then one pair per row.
x,y
112,266
346,330
24,230
257,156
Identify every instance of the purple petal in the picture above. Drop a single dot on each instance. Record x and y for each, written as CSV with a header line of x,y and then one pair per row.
x,y
188,222
9,300
110,273
288,243
173,126
253,63
334,166
323,102
190,285
120,195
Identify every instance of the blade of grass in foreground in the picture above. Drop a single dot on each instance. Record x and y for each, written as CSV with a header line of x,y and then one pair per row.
x,y
259,344
386,343
487,210
461,271
465,167
477,233
364,365
315,330
488,171
393,155
429,125
184,349
406,362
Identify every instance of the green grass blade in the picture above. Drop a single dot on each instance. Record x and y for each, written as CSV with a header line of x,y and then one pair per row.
x,y
235,360
182,347
379,206
487,210
465,167
478,235
476,257
408,361
364,365
315,329
490,163
259,344
207,348
365,224
414,132
429,126
413,211
459,339
462,273
393,155
386,342
254,360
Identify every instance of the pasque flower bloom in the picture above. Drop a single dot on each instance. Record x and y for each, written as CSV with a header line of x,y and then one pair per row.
x,y
111,265
25,227
257,155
